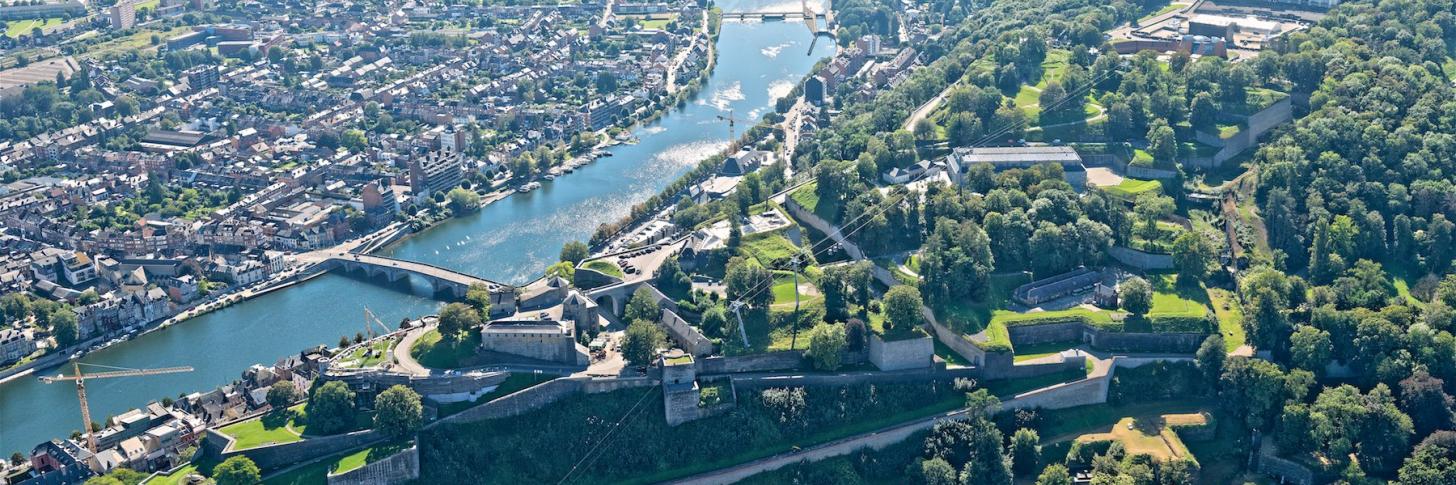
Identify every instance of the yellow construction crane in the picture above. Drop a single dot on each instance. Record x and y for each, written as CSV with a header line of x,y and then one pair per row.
x,y
80,379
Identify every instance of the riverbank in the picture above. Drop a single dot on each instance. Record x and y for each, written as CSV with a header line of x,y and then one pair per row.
x,y
511,240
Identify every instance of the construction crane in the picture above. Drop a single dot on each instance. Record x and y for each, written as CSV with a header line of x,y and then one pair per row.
x,y
732,120
371,317
80,379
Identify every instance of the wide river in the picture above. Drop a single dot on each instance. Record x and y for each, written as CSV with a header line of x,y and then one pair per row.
x,y
513,240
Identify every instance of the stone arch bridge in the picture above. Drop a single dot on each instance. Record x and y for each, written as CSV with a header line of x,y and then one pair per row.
x,y
441,280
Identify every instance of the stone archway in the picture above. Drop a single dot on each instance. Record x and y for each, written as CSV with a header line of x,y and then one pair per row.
x,y
609,302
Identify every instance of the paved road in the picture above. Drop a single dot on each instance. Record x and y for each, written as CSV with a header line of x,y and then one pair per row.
x,y
877,439
929,107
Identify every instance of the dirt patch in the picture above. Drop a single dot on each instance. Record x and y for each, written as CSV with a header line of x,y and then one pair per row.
x,y
1103,177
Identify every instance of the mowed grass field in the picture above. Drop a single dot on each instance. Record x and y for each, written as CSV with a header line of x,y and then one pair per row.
x,y
17,28
271,428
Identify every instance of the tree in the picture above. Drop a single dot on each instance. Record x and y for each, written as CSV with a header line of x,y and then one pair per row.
x,y
749,282
1203,113
238,470
1310,348
463,200
331,408
1425,400
642,306
936,471
398,412
641,341
1054,474
1192,255
1136,295
715,321
354,140
924,129
64,327
456,319
1252,388
281,395
1162,142
826,345
562,269
1151,207
902,308
1025,452
1433,462
478,296
1051,98
1368,424
574,252
957,261
1210,357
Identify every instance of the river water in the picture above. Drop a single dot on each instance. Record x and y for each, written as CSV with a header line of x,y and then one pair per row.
x,y
513,240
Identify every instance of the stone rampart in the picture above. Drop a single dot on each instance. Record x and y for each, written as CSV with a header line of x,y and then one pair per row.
x,y
913,353
1092,390
765,362
516,403
283,455
538,396
1070,331
1140,259
401,467
1168,342
912,375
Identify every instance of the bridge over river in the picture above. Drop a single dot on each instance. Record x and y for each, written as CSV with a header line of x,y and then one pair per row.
x,y
441,280
807,13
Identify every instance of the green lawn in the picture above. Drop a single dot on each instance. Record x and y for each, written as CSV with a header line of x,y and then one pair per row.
x,y
1172,299
657,23
1029,352
174,478
432,351
1052,66
1402,288
1131,188
1167,8
517,381
808,197
1230,317
1141,157
972,316
1067,423
318,471
771,250
271,428
604,267
141,39
783,291
368,356
1100,317
17,28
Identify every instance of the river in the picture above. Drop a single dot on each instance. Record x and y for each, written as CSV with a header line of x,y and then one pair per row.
x,y
513,240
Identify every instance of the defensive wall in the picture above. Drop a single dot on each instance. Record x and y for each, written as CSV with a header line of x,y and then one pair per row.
x,y
283,455
1104,339
400,467
912,353
1140,259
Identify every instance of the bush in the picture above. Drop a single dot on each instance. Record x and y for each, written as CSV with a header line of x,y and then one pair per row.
x,y
1158,380
542,445
827,342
